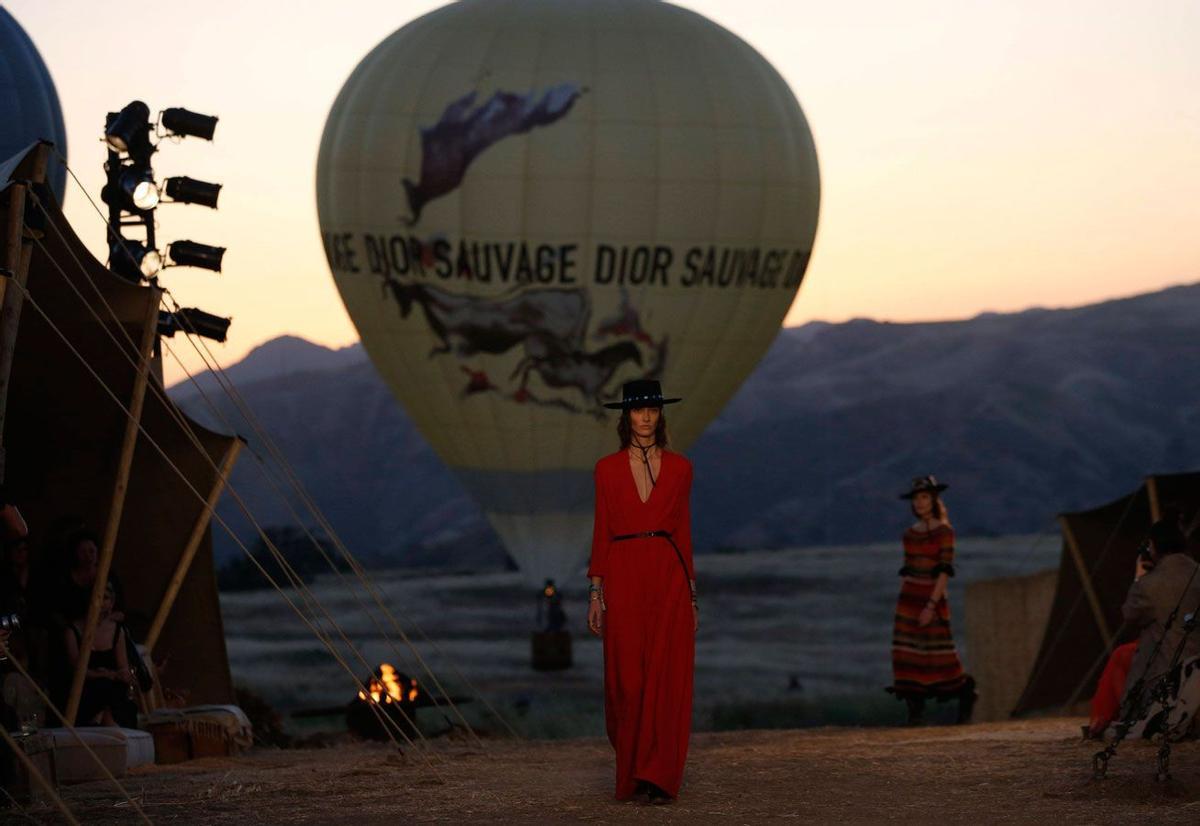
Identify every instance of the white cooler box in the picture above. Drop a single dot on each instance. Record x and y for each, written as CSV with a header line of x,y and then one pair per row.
x,y
120,749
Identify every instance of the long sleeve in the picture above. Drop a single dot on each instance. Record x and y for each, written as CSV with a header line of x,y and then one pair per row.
x,y
601,535
683,530
945,563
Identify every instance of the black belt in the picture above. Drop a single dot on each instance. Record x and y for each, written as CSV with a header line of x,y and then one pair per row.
x,y
665,535
624,536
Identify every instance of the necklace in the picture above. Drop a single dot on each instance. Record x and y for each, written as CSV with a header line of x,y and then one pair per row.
x,y
645,449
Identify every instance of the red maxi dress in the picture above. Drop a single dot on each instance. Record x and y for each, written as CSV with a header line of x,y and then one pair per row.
x,y
649,637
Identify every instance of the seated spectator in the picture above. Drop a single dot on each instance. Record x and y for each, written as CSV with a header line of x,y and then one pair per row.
x,y
1158,592
77,574
15,573
14,594
1106,703
106,698
12,524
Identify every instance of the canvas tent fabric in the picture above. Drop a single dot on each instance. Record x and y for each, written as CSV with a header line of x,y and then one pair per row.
x,y
1005,626
1094,574
63,434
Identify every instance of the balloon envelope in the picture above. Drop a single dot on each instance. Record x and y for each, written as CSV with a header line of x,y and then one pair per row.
x,y
527,203
29,109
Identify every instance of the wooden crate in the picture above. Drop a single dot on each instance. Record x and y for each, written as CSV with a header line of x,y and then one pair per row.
x,y
39,748
208,739
178,741
172,743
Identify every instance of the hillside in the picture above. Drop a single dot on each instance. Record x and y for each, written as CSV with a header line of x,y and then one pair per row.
x,y
1024,414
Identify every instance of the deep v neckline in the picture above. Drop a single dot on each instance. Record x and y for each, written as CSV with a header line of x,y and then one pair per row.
x,y
662,461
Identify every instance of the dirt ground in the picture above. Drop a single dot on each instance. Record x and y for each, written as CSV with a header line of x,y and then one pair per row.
x,y
1015,772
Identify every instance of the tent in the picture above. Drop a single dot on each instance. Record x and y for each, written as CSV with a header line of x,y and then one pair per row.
x,y
67,441
1005,622
1054,630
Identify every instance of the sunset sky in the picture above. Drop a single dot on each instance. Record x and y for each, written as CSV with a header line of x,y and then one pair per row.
x,y
975,156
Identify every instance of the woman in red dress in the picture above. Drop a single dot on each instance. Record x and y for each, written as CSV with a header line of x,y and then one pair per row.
x,y
643,598
925,664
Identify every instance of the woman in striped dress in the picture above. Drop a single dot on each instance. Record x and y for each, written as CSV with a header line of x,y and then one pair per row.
x,y
925,664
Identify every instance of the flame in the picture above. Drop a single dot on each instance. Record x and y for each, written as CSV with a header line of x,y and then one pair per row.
x,y
389,680
387,687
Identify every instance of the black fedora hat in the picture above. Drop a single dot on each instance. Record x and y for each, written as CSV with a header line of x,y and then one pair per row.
x,y
640,393
924,484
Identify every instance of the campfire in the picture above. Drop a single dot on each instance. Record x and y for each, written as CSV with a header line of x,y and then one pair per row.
x,y
389,687
395,695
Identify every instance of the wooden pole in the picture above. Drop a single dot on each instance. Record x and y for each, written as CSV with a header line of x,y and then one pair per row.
x,y
193,544
34,774
14,297
1152,492
117,508
1086,579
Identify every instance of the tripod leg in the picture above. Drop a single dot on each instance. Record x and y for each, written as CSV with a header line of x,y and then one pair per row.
x,y
1164,762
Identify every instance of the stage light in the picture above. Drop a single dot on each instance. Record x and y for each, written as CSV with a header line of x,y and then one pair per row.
x,y
129,130
134,190
194,321
182,122
133,260
141,189
167,326
192,254
139,186
187,190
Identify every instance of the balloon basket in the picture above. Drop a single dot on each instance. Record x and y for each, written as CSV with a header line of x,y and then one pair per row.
x,y
551,650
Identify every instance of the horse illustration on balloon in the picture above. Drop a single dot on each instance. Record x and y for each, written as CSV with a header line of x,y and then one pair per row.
x,y
463,133
549,324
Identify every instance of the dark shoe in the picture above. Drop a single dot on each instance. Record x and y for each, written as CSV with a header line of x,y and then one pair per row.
x,y
916,710
658,797
641,797
1094,731
966,701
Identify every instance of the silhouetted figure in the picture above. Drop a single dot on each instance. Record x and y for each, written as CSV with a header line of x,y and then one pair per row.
x,y
107,698
550,614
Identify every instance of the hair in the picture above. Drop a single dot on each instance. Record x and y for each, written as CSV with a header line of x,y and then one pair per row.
x,y
1167,536
940,511
625,429
73,540
11,545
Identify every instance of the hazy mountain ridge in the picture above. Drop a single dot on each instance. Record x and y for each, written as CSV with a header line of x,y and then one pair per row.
x,y
1024,414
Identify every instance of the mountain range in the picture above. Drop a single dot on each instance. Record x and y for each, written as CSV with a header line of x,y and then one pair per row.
x,y
1024,415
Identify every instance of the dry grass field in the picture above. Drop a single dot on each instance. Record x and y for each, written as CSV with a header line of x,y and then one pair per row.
x,y
1017,772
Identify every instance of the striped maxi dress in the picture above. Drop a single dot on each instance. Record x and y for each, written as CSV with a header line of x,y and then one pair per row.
x,y
924,661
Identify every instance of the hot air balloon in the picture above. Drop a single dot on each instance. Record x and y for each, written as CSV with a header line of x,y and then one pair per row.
x,y
29,109
527,203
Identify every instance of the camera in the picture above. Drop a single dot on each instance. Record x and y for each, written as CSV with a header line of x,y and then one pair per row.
x,y
9,623
1144,553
